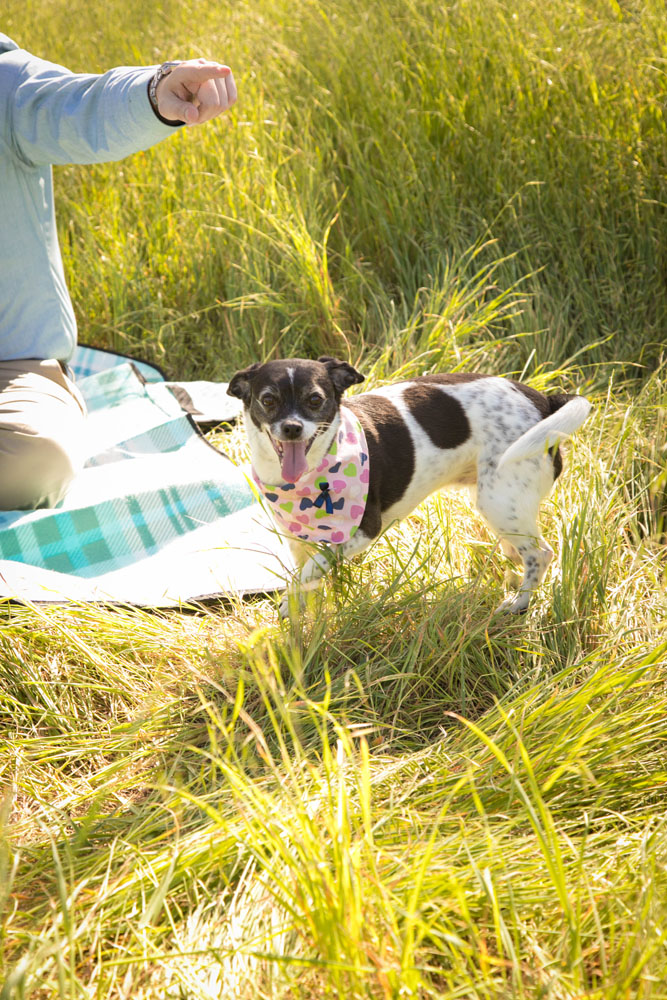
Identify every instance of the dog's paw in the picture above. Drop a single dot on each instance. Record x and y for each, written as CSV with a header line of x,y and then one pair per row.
x,y
514,605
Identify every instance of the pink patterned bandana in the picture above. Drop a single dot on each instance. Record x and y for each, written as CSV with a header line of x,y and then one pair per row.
x,y
327,503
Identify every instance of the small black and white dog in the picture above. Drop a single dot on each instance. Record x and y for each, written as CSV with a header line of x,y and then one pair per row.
x,y
341,471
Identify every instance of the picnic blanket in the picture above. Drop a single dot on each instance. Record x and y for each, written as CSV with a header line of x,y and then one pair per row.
x,y
158,517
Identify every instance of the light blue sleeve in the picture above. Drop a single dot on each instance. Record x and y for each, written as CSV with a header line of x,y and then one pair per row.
x,y
53,116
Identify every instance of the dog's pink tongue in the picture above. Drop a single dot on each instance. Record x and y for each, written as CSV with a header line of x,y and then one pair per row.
x,y
294,462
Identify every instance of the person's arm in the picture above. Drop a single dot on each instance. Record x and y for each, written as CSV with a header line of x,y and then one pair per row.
x,y
54,116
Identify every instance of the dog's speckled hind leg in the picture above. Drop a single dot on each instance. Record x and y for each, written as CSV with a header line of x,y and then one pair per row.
x,y
536,556
510,503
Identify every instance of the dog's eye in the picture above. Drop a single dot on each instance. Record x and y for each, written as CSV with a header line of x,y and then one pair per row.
x,y
269,401
315,401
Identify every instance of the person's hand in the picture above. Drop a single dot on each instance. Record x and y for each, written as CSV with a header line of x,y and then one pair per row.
x,y
195,91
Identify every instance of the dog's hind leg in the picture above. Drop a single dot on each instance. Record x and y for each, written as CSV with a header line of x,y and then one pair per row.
x,y
512,578
510,506
510,550
535,555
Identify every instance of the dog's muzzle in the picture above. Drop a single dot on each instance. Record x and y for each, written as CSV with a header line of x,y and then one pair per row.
x,y
291,449
291,430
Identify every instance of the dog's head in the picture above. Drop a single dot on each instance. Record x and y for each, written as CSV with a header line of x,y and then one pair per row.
x,y
291,410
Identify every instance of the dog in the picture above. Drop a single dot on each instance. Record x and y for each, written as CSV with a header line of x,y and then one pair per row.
x,y
341,471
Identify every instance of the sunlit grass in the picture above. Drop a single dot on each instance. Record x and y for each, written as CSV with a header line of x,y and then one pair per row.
x,y
400,794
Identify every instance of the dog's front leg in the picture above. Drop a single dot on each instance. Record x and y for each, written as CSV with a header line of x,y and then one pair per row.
x,y
311,567
316,565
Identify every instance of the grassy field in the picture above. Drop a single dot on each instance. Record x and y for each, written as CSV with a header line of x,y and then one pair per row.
x,y
400,795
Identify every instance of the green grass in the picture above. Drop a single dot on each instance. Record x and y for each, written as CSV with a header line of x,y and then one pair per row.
x,y
399,795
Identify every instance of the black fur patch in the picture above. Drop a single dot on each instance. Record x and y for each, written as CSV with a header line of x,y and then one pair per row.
x,y
438,413
342,374
557,460
545,406
453,378
391,468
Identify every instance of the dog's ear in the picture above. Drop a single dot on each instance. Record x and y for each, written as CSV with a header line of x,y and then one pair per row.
x,y
239,385
341,374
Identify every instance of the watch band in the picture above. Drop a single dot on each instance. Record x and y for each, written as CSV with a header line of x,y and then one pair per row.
x,y
164,70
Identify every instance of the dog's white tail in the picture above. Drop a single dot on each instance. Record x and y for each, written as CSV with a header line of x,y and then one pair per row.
x,y
548,432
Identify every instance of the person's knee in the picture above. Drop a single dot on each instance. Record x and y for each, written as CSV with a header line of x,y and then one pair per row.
x,y
37,474
42,434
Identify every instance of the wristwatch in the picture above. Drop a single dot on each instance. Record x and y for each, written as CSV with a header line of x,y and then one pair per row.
x,y
164,70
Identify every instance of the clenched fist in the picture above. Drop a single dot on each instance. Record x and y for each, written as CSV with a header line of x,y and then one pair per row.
x,y
195,91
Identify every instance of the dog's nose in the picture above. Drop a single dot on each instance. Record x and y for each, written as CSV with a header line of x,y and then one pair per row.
x,y
292,430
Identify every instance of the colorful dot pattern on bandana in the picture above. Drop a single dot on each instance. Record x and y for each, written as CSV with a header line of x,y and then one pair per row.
x,y
327,503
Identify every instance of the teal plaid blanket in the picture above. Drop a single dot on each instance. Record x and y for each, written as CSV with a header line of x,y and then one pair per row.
x,y
157,517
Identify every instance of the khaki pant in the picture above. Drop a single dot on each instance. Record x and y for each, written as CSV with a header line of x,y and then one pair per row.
x,y
42,423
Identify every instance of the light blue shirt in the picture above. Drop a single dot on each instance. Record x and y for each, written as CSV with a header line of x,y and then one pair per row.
x,y
50,115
